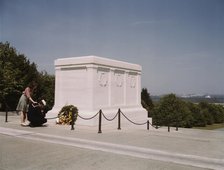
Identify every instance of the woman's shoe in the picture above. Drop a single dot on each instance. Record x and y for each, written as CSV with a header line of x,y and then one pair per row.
x,y
24,124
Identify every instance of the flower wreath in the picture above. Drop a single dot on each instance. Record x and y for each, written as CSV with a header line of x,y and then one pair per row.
x,y
65,115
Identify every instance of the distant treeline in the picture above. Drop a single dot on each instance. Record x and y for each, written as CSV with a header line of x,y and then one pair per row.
x,y
197,99
212,99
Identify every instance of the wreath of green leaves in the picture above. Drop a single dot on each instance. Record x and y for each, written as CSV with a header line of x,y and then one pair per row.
x,y
65,114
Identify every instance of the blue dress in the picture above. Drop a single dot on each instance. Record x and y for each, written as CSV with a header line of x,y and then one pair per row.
x,y
23,104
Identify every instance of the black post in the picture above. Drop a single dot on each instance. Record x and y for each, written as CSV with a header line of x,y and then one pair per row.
x,y
119,119
147,124
177,123
6,115
156,121
168,128
6,112
100,119
73,121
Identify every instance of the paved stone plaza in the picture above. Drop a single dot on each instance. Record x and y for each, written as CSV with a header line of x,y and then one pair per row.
x,y
133,147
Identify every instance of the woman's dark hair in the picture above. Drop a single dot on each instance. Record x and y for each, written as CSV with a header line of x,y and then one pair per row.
x,y
32,85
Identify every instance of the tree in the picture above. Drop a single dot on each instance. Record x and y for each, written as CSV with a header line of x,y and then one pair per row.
x,y
186,118
171,111
213,113
219,113
45,88
207,111
146,101
16,72
198,117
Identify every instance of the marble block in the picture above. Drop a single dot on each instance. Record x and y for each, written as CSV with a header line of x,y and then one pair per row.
x,y
92,83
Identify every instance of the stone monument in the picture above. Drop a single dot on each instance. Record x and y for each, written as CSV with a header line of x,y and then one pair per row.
x,y
92,83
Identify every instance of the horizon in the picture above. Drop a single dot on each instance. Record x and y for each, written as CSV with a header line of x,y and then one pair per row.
x,y
178,43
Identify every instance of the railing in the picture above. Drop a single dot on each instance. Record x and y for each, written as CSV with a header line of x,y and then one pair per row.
x,y
118,114
101,114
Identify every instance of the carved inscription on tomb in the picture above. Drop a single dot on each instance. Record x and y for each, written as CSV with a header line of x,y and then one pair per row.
x,y
102,77
132,80
118,79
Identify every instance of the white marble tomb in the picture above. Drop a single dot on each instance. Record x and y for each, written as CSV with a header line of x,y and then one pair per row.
x,y
92,83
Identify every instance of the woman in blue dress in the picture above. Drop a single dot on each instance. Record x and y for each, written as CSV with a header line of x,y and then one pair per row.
x,y
24,101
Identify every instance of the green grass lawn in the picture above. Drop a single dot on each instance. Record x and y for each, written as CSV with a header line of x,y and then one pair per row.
x,y
211,127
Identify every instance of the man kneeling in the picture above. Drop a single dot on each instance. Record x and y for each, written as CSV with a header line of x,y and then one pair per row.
x,y
36,114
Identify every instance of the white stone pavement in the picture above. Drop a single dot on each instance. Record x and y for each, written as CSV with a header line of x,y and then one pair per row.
x,y
188,147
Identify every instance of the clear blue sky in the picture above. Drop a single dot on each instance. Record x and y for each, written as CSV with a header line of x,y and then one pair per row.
x,y
178,43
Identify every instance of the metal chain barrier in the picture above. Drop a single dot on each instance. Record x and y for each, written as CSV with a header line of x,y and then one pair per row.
x,y
132,121
78,116
100,120
52,118
108,118
90,117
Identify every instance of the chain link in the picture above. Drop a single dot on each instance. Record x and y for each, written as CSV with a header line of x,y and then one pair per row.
x,y
52,118
132,121
108,118
88,118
